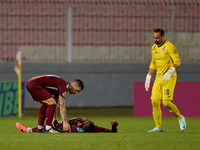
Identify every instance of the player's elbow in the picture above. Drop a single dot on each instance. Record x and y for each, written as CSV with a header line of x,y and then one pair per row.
x,y
177,62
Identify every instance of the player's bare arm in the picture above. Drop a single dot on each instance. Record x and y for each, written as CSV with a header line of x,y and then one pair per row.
x,y
114,127
55,120
151,71
114,124
66,125
56,110
175,66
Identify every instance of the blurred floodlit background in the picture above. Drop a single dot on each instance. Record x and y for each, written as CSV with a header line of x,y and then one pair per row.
x,y
106,43
96,31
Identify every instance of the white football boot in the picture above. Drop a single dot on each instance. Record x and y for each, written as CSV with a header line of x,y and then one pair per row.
x,y
156,129
182,123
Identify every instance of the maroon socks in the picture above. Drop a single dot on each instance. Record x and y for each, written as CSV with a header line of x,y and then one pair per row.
x,y
49,114
41,115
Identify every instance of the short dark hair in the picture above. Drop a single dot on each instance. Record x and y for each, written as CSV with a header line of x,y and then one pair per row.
x,y
162,32
90,128
79,83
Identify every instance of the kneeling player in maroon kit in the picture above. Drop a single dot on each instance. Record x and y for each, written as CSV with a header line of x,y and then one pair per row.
x,y
76,125
42,88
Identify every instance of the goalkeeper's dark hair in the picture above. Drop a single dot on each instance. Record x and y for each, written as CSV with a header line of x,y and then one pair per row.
x,y
79,83
162,32
89,128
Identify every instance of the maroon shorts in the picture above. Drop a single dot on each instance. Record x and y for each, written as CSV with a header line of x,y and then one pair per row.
x,y
37,91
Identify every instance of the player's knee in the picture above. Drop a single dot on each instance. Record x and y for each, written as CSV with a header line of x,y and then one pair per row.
x,y
166,103
53,103
50,101
155,103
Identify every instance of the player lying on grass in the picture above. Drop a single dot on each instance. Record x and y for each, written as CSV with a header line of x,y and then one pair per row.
x,y
76,125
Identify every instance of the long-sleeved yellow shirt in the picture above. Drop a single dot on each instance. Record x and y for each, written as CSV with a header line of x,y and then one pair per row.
x,y
163,57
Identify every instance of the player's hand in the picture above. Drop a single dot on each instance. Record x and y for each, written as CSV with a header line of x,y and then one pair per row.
x,y
147,82
147,85
66,126
168,75
114,123
54,123
114,126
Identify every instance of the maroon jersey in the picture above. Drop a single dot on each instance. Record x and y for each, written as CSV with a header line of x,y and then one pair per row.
x,y
43,87
75,128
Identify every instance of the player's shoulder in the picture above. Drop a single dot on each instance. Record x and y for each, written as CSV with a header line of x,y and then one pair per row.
x,y
168,44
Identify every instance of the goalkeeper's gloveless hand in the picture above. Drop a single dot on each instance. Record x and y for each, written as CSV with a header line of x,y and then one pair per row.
x,y
168,75
147,82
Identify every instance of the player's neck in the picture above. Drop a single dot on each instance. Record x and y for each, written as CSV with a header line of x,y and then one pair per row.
x,y
162,43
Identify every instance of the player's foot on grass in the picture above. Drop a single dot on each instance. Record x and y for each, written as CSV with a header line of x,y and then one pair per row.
x,y
21,127
182,123
51,130
156,129
40,130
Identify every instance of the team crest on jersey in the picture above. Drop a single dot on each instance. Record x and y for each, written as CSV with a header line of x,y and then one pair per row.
x,y
163,49
64,94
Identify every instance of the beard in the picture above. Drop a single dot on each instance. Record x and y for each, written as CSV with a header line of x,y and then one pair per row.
x,y
157,43
71,90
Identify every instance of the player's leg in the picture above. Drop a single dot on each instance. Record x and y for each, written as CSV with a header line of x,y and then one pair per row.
x,y
51,106
168,91
41,117
38,94
172,108
156,110
157,113
41,95
23,128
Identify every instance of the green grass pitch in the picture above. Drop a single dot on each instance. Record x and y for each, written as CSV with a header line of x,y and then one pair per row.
x,y
132,134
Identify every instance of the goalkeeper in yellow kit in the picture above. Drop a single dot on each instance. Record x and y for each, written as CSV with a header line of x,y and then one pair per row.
x,y
165,59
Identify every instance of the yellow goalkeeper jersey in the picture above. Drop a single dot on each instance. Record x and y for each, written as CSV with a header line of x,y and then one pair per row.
x,y
163,57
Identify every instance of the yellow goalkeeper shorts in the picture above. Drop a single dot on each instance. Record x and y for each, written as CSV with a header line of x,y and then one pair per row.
x,y
163,90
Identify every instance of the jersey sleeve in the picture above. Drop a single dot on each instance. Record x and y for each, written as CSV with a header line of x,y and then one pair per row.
x,y
152,64
99,129
172,51
62,91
